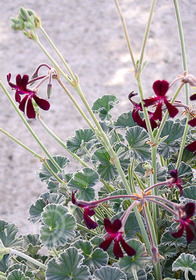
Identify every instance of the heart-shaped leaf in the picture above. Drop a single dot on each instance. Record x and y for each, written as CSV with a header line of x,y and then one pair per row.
x,y
103,105
137,137
185,262
131,226
58,226
67,267
84,181
109,273
19,272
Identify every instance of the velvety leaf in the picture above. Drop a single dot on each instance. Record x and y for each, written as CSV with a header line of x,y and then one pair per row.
x,y
168,240
185,262
131,226
138,261
174,131
167,251
106,168
36,209
19,272
137,138
141,274
161,171
8,235
84,181
67,267
17,275
184,171
109,273
92,258
103,105
45,175
125,120
32,242
58,226
84,138
190,193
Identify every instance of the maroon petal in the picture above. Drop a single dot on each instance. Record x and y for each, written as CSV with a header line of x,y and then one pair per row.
x,y
30,109
193,97
192,122
189,209
107,225
117,250
128,249
17,97
190,232
116,225
172,110
150,101
160,87
89,222
179,233
106,243
153,123
23,103
192,147
42,103
158,112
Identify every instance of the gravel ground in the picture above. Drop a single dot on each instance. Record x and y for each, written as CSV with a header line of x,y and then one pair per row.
x,y
89,35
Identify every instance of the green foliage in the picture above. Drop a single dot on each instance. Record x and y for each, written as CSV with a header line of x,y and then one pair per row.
x,y
109,273
9,235
68,266
84,181
103,105
57,226
185,262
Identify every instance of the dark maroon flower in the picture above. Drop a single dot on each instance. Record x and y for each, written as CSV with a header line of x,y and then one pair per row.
x,y
26,103
160,88
186,225
136,116
88,211
193,97
192,122
192,147
114,234
176,181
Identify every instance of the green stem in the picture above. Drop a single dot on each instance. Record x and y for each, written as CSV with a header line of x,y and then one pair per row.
x,y
183,50
57,51
76,105
186,274
126,33
29,127
21,144
182,144
62,143
28,258
134,271
146,36
180,29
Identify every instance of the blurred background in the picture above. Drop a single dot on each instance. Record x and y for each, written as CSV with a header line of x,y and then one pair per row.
x,y
90,37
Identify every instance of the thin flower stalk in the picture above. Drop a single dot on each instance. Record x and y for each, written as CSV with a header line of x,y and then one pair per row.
x,y
146,37
161,204
62,143
26,257
126,33
181,34
29,127
57,51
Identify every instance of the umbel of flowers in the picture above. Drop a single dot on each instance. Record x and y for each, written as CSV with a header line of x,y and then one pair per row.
x,y
140,224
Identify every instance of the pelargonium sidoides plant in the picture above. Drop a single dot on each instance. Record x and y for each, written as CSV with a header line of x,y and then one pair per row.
x,y
140,223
